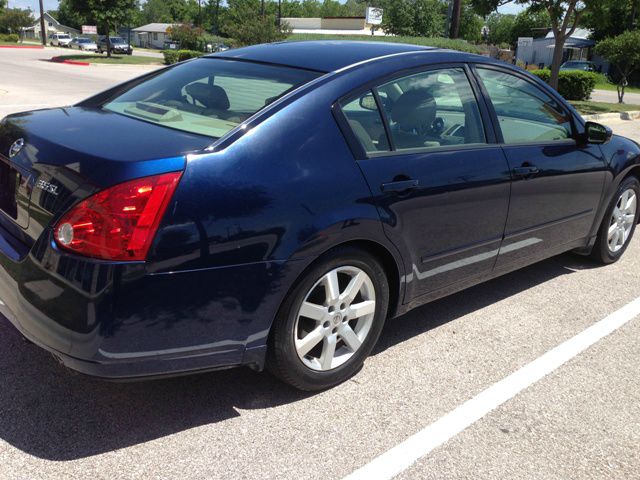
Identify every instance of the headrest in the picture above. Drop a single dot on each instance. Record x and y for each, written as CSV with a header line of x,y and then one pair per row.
x,y
414,108
211,96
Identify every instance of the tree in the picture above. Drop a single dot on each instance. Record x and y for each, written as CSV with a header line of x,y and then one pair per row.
x,y
564,16
107,14
415,18
622,52
190,38
12,20
609,18
530,23
485,7
242,22
470,24
500,28
68,15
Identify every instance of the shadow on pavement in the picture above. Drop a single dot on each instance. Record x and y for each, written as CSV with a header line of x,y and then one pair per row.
x,y
49,412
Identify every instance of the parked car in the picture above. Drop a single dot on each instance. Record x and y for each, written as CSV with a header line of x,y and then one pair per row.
x,y
579,65
118,45
219,47
85,44
274,205
59,39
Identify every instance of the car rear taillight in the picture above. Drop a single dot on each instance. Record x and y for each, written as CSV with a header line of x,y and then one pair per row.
x,y
118,223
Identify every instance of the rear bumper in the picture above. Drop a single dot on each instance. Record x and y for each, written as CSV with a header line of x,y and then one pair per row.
x,y
118,321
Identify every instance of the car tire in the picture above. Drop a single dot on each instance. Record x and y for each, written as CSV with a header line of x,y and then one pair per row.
x,y
619,223
348,324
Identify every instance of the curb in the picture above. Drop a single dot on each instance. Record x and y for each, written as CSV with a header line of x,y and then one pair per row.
x,y
632,115
22,46
69,62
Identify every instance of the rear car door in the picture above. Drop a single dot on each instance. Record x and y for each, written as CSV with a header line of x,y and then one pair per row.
x,y
557,180
439,181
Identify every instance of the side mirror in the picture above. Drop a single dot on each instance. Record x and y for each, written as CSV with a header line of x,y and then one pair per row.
x,y
597,133
368,102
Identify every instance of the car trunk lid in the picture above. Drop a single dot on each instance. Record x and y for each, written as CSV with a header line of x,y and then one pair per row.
x,y
67,154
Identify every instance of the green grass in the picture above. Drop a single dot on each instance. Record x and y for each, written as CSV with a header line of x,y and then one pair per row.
x,y
603,83
113,60
18,43
150,50
588,108
429,42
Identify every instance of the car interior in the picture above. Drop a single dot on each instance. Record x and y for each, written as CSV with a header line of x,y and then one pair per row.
x,y
429,109
209,104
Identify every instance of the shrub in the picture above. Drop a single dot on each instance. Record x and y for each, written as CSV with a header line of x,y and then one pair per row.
x,y
175,56
572,84
437,42
9,37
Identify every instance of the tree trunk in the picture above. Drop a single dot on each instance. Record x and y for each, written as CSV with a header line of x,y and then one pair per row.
x,y
557,60
108,43
455,19
620,87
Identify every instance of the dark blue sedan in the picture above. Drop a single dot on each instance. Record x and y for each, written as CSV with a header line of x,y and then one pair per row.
x,y
273,205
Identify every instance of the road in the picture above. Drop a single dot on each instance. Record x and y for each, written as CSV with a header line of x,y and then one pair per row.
x,y
29,81
580,421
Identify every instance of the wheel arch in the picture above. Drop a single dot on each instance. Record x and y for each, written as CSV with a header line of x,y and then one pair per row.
x,y
377,250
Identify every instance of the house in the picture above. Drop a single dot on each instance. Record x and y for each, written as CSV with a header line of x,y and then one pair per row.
x,y
577,47
51,26
153,35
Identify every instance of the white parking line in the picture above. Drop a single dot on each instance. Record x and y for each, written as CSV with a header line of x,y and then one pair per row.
x,y
403,455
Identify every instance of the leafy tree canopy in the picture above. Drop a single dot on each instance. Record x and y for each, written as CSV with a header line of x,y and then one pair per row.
x,y
623,53
14,19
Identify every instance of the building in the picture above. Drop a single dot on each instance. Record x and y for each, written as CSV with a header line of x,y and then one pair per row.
x,y
332,26
153,35
540,51
51,26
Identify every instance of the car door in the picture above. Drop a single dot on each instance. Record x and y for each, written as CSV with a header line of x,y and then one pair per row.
x,y
557,180
439,181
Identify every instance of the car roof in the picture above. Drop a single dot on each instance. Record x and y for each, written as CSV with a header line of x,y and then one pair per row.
x,y
321,55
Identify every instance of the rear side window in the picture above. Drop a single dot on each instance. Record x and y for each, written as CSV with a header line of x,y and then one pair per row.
x,y
526,114
432,109
366,123
208,96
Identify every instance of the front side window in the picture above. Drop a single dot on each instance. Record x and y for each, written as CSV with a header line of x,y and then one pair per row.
x,y
208,96
526,114
431,109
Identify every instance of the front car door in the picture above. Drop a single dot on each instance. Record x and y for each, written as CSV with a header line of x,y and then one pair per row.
x,y
439,180
557,179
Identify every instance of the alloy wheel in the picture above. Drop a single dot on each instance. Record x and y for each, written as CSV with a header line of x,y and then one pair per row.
x,y
622,219
335,318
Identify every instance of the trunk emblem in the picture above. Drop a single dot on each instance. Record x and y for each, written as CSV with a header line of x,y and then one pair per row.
x,y
47,187
15,147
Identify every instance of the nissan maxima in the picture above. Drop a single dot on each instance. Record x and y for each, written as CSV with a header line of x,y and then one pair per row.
x,y
274,205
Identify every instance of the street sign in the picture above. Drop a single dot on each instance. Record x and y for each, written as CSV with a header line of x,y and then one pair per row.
x,y
89,30
525,41
374,16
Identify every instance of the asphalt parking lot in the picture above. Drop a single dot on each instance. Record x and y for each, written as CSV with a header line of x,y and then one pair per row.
x,y
581,420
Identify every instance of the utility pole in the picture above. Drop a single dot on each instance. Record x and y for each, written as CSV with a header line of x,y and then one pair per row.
x,y
279,12
43,33
455,19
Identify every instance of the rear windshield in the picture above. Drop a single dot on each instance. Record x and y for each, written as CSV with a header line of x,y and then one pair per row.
x,y
208,96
